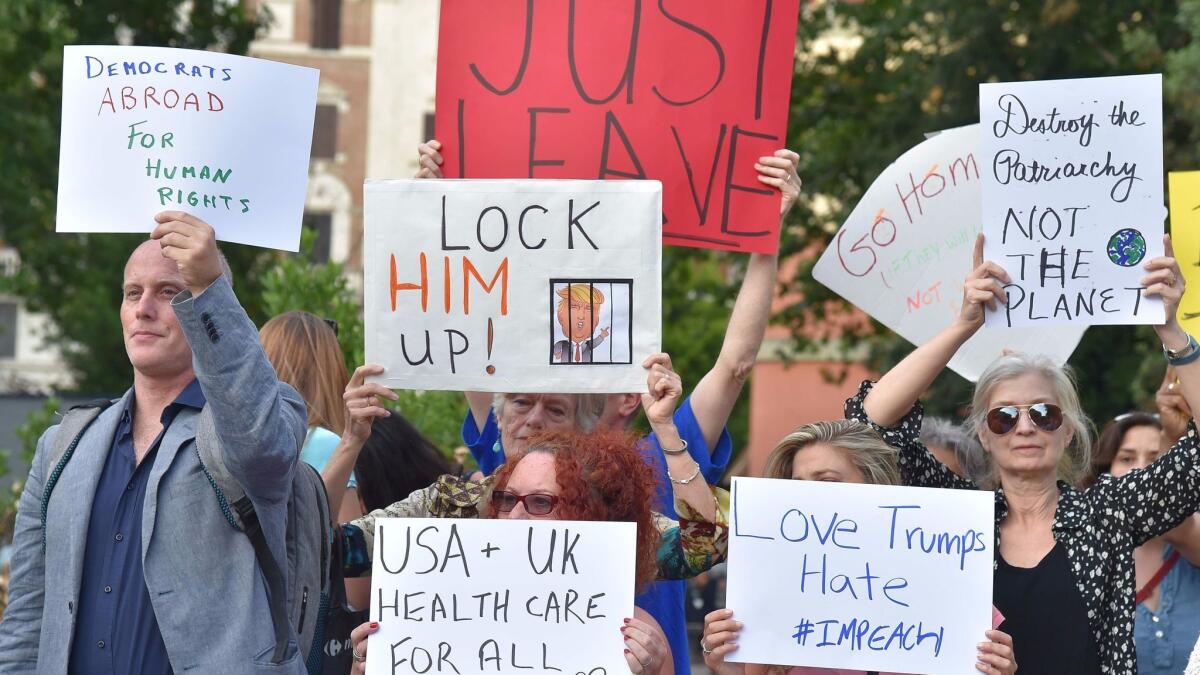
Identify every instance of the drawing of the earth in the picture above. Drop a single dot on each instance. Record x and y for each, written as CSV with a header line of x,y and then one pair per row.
x,y
1127,247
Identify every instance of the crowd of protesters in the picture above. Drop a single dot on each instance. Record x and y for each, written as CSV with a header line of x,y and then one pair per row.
x,y
158,533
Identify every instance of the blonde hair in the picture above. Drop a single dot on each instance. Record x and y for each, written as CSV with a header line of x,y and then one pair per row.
x,y
306,355
580,293
1077,456
874,458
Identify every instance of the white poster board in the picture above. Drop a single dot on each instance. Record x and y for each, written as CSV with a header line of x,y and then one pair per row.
x,y
1073,197
513,285
498,596
904,251
147,129
836,575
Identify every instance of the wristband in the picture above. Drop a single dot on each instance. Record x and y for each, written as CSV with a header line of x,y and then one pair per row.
x,y
675,452
685,481
1183,356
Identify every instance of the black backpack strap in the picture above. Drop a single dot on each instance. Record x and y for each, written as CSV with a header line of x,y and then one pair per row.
x,y
80,415
276,589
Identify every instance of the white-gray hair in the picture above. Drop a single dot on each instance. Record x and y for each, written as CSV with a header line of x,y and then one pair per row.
x,y
588,408
941,432
1077,456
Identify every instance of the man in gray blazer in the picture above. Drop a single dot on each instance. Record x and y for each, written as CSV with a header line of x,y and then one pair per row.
x,y
137,569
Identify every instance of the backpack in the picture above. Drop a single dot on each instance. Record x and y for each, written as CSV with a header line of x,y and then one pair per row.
x,y
304,604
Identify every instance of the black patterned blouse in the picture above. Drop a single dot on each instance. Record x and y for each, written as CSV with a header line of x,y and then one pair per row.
x,y
1099,527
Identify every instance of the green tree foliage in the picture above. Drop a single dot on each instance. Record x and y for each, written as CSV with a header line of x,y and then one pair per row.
x,y
896,70
76,279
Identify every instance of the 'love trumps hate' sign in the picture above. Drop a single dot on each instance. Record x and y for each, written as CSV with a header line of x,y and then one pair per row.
x,y
868,577
1072,197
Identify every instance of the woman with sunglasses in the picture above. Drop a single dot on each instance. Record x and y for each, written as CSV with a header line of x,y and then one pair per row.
x,y
842,451
599,476
1064,558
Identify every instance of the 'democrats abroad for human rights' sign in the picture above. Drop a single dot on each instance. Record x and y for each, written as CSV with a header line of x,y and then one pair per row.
x,y
688,93
462,597
905,249
1072,197
147,129
513,285
866,577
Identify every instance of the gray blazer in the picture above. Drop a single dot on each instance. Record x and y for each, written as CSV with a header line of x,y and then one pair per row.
x,y
207,591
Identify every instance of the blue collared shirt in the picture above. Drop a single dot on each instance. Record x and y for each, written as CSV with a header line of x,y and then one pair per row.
x,y
116,630
1165,638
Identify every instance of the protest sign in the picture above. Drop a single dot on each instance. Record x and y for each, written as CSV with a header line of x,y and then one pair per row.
x,y
864,577
690,95
146,129
1184,190
1072,197
513,286
500,596
904,251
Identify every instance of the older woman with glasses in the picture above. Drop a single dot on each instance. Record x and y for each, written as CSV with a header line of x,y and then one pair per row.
x,y
1064,575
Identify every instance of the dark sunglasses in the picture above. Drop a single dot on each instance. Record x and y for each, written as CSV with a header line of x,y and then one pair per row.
x,y
536,504
1045,416
332,325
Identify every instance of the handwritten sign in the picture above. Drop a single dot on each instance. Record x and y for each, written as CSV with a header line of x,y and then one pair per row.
x,y
513,286
146,129
500,596
690,94
1072,197
865,577
904,251
1184,189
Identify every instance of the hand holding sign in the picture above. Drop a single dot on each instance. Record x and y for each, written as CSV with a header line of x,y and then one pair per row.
x,y
1165,280
982,287
192,244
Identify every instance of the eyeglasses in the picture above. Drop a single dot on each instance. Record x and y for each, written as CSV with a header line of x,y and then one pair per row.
x,y
1045,416
332,325
536,504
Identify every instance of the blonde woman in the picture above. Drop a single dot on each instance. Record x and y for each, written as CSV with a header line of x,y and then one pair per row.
x,y
842,451
304,350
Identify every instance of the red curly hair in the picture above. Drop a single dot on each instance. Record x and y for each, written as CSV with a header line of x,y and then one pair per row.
x,y
601,476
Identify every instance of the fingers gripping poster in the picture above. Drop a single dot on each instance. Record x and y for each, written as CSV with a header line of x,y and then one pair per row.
x,y
146,129
904,251
513,286
689,93
1073,197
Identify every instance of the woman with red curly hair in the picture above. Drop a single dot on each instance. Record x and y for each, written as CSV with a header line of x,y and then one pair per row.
x,y
598,476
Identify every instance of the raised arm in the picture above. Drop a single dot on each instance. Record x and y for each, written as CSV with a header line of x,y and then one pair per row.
x,y
259,420
899,389
687,479
1166,493
362,407
717,392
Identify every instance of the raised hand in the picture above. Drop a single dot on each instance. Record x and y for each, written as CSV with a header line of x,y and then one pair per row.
x,y
430,159
192,244
779,170
982,288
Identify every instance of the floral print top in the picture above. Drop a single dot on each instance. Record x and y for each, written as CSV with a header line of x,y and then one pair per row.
x,y
686,548
1099,527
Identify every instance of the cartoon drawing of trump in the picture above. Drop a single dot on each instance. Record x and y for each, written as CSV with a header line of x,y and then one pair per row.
x,y
578,314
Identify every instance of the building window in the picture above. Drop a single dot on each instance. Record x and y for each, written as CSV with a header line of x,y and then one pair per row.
x,y
324,143
8,330
326,24
322,224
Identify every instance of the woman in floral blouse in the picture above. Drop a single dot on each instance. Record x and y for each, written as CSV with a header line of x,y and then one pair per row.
x,y
1064,559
